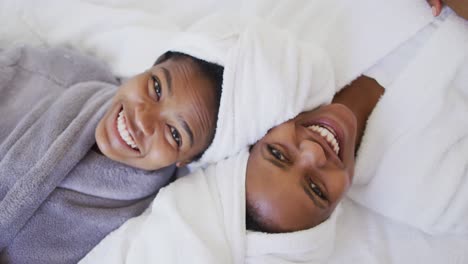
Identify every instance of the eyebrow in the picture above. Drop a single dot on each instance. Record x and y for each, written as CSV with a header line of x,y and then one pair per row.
x,y
187,129
168,78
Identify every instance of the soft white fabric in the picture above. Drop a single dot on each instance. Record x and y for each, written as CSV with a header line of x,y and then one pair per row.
x,y
269,77
412,164
314,245
387,69
128,35
356,34
365,237
198,219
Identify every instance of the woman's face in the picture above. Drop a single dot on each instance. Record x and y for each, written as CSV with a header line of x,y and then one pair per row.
x,y
300,170
162,116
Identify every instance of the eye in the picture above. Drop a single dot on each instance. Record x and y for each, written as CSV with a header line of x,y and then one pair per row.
x,y
277,153
176,136
157,87
317,190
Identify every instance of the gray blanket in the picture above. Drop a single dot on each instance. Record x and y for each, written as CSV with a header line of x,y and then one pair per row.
x,y
58,198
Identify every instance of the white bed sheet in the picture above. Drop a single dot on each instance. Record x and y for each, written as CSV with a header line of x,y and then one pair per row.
x,y
113,31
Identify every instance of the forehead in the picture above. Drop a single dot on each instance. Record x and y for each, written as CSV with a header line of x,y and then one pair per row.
x,y
190,95
180,70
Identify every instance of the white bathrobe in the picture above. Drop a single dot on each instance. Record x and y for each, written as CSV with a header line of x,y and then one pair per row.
x,y
412,165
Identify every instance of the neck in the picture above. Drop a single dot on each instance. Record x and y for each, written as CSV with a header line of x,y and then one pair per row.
x,y
360,97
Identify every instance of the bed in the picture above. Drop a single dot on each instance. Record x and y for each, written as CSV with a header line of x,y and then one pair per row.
x,y
128,36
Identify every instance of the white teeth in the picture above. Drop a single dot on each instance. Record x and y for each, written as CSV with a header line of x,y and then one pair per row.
x,y
124,134
323,132
328,136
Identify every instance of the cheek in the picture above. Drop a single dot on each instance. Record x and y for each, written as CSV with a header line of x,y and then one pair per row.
x,y
99,134
161,155
134,87
102,131
340,186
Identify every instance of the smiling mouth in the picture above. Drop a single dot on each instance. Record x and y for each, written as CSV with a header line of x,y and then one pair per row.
x,y
123,131
328,134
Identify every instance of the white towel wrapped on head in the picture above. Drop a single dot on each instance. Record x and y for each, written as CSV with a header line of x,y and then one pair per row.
x,y
314,245
269,77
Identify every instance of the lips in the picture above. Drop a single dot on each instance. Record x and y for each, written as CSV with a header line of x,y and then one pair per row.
x,y
328,134
330,131
124,132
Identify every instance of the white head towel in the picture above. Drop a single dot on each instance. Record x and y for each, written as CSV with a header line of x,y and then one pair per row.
x,y
269,77
314,245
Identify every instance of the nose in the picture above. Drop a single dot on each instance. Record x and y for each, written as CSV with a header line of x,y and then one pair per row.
x,y
311,154
147,118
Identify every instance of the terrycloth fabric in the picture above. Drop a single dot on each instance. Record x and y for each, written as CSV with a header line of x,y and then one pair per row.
x,y
57,197
269,77
367,237
201,219
412,163
314,245
356,34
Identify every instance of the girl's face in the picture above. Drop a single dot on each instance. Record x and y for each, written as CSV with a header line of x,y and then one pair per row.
x,y
300,170
163,116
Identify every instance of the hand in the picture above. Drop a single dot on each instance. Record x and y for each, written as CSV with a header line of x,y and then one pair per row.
x,y
436,6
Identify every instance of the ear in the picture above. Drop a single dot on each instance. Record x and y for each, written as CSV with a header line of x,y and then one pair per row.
x,y
182,163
